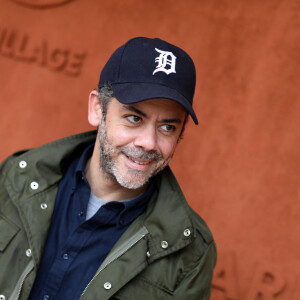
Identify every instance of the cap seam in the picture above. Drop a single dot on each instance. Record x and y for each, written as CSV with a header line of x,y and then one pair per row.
x,y
121,58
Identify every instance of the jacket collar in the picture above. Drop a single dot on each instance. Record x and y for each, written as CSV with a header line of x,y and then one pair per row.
x,y
44,165
168,218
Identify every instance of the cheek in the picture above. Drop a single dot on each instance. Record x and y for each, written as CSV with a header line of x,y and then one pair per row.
x,y
120,137
167,147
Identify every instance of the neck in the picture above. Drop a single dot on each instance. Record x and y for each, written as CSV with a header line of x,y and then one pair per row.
x,y
105,186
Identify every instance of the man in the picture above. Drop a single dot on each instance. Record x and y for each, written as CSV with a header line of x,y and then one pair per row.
x,y
102,217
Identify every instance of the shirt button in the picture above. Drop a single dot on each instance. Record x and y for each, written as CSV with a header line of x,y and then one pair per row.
x,y
107,285
28,253
34,185
46,297
148,254
187,232
80,214
22,165
164,244
44,206
2,297
66,256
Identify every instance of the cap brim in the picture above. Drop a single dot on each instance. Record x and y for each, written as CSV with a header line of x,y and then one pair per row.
x,y
128,93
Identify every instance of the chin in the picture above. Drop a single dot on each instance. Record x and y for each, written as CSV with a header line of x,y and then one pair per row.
x,y
131,184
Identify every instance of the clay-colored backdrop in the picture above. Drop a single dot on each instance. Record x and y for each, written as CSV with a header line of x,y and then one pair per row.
x,y
239,168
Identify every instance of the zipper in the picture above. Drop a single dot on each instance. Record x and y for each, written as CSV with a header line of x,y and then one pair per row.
x,y
118,252
16,292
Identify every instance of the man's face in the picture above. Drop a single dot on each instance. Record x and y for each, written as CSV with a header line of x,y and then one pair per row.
x,y
138,140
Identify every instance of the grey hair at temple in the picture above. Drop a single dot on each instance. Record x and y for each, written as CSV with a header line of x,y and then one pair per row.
x,y
105,94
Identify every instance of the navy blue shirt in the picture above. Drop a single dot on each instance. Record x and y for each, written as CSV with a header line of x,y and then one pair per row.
x,y
76,247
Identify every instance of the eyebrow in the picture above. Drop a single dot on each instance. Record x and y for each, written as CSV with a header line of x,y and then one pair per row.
x,y
136,110
172,120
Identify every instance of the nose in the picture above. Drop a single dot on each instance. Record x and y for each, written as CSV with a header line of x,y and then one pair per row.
x,y
146,139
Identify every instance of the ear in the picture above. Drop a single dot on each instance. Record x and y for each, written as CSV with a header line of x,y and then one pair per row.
x,y
95,109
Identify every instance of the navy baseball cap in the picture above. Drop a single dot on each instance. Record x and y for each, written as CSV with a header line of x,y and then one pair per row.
x,y
144,69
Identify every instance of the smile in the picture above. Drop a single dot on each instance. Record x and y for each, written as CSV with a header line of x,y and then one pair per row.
x,y
137,164
140,162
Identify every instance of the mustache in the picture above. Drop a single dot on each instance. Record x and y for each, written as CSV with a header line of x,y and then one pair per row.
x,y
141,154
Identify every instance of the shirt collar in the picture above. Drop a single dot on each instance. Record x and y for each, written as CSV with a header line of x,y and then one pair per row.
x,y
85,156
130,209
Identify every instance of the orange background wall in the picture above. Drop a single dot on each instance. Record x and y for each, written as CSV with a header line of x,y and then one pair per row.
x,y
239,168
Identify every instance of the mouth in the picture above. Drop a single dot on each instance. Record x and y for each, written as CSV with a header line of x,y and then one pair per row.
x,y
137,163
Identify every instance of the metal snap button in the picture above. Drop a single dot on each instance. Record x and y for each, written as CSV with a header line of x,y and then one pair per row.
x,y
148,254
164,244
34,185
28,253
107,285
187,232
22,164
2,297
44,206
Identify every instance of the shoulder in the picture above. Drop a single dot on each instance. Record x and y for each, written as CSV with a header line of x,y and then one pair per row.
x,y
53,151
9,159
45,164
201,227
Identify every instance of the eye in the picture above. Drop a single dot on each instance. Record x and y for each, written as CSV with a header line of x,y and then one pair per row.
x,y
168,128
134,119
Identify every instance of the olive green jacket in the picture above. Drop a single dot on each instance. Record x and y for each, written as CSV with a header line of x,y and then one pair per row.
x,y
167,253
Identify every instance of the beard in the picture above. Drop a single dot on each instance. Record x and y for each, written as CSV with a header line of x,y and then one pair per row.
x,y
128,178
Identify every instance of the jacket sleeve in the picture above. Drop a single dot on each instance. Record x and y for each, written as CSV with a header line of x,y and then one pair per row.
x,y
196,285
